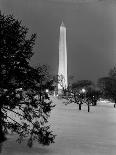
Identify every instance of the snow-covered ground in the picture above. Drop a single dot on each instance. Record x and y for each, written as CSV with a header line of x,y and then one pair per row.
x,y
78,132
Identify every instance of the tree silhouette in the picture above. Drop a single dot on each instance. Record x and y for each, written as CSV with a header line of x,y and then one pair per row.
x,y
59,80
108,87
92,96
112,72
24,107
78,91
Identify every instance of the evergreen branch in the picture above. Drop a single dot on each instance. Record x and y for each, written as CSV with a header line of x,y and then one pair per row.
x,y
15,121
12,111
18,114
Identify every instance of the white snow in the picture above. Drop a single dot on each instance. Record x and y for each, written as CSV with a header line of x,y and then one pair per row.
x,y
78,132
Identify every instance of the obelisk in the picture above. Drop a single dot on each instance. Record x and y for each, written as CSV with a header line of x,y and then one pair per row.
x,y
62,69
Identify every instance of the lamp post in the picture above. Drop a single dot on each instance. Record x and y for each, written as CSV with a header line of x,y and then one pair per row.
x,y
82,92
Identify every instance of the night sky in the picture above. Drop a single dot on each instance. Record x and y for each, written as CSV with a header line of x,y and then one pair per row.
x,y
91,33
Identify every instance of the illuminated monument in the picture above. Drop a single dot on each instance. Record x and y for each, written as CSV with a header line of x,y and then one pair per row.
x,y
62,70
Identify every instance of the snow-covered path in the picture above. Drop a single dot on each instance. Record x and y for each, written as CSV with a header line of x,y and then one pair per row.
x,y
78,132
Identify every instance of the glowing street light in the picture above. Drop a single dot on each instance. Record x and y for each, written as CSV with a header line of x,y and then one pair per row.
x,y
47,91
83,90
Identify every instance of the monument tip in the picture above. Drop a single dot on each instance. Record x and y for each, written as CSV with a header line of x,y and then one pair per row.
x,y
62,24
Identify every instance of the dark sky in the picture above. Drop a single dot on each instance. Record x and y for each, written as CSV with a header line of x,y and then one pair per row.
x,y
91,33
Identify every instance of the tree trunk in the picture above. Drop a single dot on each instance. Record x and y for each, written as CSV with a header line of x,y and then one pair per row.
x,y
95,102
79,105
115,103
88,107
2,134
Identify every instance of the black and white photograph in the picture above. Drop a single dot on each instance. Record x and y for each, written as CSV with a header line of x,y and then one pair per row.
x,y
57,77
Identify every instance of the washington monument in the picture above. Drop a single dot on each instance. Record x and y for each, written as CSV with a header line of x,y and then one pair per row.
x,y
62,70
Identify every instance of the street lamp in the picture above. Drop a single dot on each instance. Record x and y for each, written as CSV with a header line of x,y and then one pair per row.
x,y
83,90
